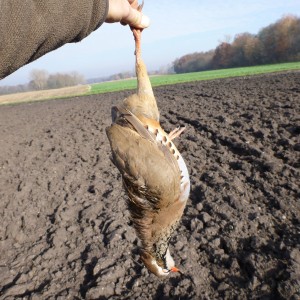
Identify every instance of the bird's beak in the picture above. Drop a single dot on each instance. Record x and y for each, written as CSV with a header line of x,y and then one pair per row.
x,y
174,269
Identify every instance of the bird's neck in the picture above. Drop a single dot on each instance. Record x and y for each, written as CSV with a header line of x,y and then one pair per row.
x,y
144,88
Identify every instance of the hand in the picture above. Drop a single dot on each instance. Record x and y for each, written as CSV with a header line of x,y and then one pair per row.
x,y
125,11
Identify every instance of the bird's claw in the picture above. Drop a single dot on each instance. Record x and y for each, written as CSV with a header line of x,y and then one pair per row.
x,y
140,7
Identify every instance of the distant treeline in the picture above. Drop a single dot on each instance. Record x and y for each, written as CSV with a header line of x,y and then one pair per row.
x,y
118,76
41,80
276,43
166,69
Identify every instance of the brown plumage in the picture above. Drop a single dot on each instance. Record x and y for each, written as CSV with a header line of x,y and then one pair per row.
x,y
153,172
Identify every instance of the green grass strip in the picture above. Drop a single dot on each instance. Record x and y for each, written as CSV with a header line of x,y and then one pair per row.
x,y
159,80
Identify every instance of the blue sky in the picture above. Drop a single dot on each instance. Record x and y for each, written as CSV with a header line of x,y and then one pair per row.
x,y
178,27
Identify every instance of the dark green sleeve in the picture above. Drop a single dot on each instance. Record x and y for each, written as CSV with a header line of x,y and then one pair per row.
x,y
32,28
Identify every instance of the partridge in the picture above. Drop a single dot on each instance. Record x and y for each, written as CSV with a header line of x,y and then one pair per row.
x,y
153,171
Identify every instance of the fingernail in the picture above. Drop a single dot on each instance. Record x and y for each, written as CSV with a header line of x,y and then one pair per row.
x,y
145,22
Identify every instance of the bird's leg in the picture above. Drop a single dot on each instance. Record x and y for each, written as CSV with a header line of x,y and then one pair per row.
x,y
176,133
147,101
137,33
144,84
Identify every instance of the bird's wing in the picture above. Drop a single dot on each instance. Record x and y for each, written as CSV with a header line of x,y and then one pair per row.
x,y
142,131
145,168
134,121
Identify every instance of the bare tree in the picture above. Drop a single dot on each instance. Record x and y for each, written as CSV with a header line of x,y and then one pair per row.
x,y
77,78
60,80
38,79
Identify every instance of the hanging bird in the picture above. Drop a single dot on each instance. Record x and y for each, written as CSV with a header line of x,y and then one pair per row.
x,y
153,171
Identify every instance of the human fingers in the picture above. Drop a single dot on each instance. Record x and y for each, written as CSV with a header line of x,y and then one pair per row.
x,y
136,19
134,3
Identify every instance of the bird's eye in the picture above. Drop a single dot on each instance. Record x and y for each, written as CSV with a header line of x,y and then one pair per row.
x,y
166,271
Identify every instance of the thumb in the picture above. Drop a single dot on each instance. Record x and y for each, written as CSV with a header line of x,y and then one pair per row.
x,y
136,19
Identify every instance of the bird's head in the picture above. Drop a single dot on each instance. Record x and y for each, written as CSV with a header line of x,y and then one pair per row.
x,y
159,268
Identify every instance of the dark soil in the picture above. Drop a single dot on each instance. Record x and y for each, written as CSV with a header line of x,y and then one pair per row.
x,y
64,228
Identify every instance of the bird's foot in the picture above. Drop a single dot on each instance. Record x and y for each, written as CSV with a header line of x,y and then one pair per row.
x,y
137,33
176,133
140,7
